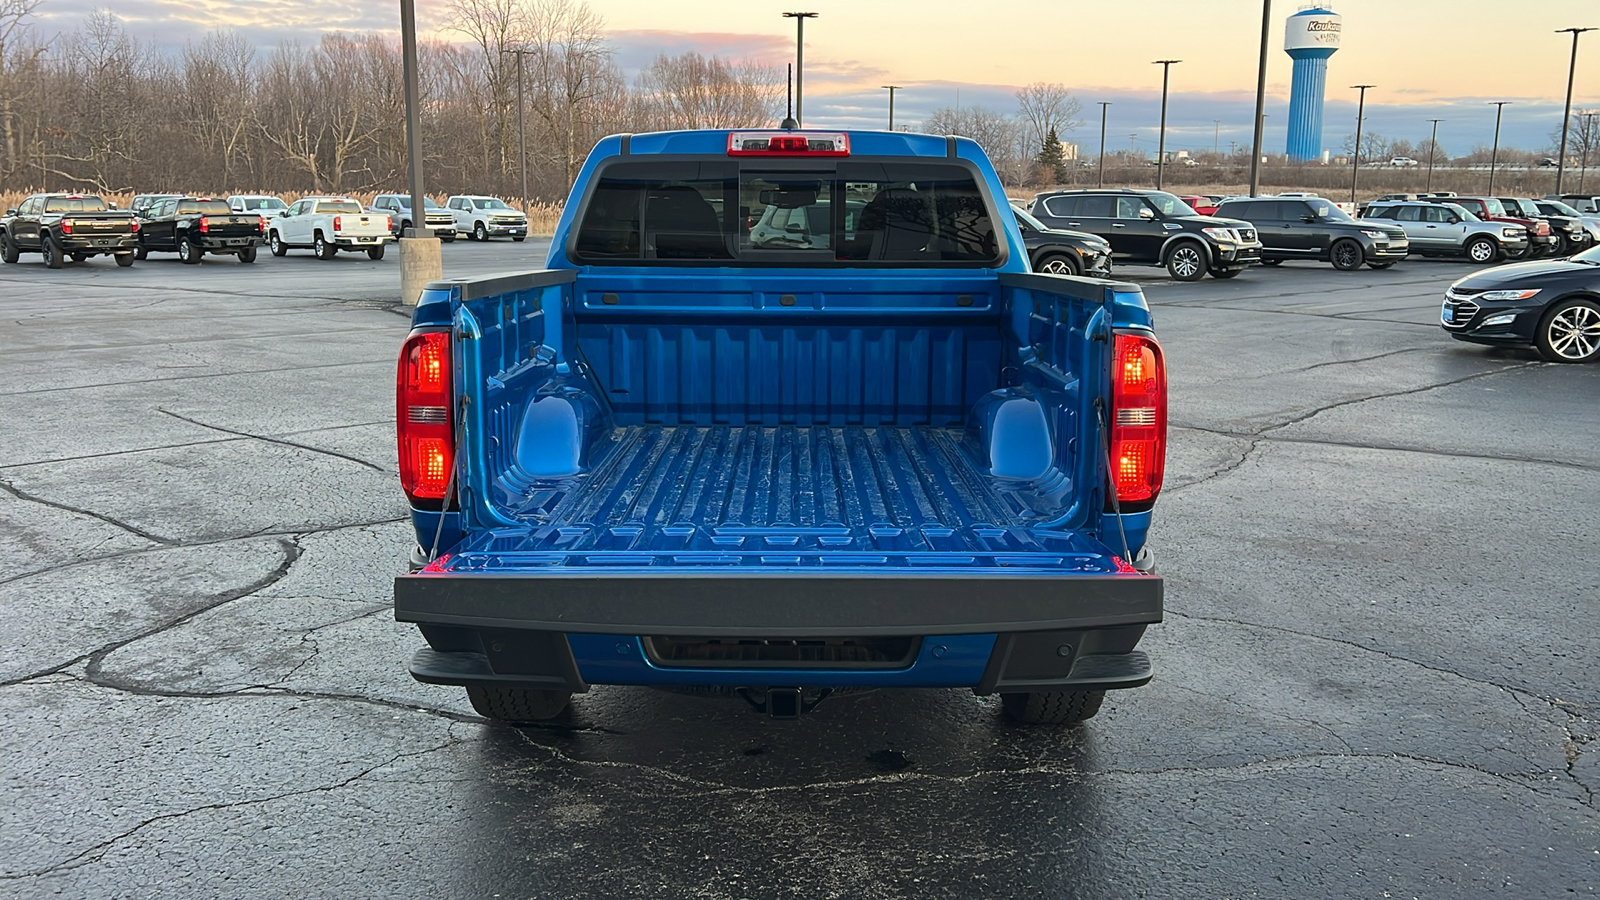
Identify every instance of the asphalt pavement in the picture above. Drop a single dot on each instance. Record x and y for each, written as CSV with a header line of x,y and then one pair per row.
x,y
1377,675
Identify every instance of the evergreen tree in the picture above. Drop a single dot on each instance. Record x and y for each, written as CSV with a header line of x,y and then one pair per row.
x,y
1051,159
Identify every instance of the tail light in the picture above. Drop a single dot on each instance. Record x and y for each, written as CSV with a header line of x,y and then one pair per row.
x,y
388,224
1138,420
205,224
338,223
261,223
135,225
423,391
66,226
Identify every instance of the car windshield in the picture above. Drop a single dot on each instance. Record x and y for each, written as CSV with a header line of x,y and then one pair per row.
x,y
490,203
1493,207
1590,256
1560,208
1466,215
74,204
1030,221
1169,205
264,203
1330,212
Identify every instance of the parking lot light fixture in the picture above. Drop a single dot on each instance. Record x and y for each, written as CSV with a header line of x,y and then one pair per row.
x,y
1355,162
1494,153
1161,142
1103,105
1261,100
1433,149
891,88
1566,113
799,63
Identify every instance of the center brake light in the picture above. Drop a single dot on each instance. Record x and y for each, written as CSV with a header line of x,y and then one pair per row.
x,y
1138,420
788,143
423,408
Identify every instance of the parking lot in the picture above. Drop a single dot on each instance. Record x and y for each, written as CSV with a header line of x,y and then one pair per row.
x,y
1376,676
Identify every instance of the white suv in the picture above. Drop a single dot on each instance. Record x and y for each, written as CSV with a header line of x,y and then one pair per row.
x,y
481,217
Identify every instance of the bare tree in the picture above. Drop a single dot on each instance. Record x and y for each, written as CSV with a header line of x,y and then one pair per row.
x,y
290,122
572,73
102,61
694,91
1047,107
19,53
223,113
496,27
1006,139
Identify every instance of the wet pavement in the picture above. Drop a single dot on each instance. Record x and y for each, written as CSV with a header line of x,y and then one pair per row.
x,y
1376,677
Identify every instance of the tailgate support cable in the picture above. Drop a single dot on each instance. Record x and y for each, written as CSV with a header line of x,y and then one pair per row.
x,y
449,487
1111,483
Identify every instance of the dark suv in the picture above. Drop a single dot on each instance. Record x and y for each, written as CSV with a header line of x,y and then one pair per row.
x,y
1299,228
1154,228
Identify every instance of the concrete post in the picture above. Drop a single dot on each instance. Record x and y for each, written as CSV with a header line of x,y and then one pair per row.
x,y
420,260
420,263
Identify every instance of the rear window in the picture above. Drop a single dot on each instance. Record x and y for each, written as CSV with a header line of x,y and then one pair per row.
x,y
74,204
204,208
851,212
338,206
264,203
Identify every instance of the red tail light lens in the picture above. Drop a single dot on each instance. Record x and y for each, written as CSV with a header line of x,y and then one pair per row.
x,y
205,224
261,223
135,225
338,223
66,226
1138,419
788,143
424,426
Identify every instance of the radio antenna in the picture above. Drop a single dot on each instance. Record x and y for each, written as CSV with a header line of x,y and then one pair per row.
x,y
789,124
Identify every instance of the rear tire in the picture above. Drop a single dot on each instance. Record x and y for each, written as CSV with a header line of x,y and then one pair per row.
x,y
1186,262
8,250
124,259
247,255
51,251
322,249
1482,250
517,706
519,239
140,253
1346,255
1054,264
188,253
79,257
1051,707
279,248
1570,332
375,253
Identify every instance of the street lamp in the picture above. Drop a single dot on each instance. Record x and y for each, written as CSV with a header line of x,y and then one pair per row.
x,y
1103,105
420,261
1566,114
891,88
522,131
1355,166
1433,149
1161,143
799,62
1494,154
1261,100
1588,141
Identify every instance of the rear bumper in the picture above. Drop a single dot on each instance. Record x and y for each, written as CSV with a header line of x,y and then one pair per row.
x,y
107,243
230,243
361,242
990,634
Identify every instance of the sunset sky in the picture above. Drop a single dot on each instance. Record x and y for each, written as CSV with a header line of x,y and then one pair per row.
x,y
1428,58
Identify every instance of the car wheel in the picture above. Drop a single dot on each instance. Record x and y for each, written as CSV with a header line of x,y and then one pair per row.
x,y
1482,250
279,248
1346,255
247,255
322,249
448,238
140,253
375,253
1380,265
518,239
8,250
1186,262
1272,262
52,252
124,259
1570,332
79,257
1524,253
1054,264
1225,274
188,253
517,706
403,226
1052,707
479,233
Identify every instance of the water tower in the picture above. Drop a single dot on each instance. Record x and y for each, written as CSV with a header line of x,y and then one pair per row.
x,y
1310,37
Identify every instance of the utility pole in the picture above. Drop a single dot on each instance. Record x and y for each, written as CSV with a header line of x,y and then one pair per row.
x,y
522,131
1161,144
1216,136
1588,141
1494,155
799,63
1261,100
1566,113
1355,163
1433,148
420,261
891,89
1103,105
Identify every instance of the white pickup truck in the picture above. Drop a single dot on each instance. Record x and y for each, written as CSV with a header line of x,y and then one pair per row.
x,y
481,217
327,225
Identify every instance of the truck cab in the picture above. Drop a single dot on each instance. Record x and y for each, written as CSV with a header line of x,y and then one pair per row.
x,y
691,453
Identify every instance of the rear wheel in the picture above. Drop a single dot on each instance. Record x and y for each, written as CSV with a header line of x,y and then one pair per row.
x,y
188,253
322,249
1346,255
1226,273
519,239
279,248
51,251
247,255
1186,262
518,706
1570,332
140,253
79,257
1482,250
375,252
1272,262
124,259
8,250
1054,264
1052,707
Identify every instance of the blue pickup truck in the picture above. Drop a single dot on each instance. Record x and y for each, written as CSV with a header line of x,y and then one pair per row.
x,y
785,414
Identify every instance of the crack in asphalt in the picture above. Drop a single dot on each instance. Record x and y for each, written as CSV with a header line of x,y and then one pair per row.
x,y
135,530
109,384
240,436
273,440
1296,420
1396,448
1347,362
1228,469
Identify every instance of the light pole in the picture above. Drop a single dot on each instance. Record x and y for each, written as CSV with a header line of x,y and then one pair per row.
x,y
522,131
1566,114
1261,100
420,261
891,88
1588,140
1355,163
1216,136
1433,148
1161,143
1494,154
1103,105
799,63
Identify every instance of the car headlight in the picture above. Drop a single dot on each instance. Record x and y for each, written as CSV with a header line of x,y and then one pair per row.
x,y
1513,232
1221,234
1376,234
1508,295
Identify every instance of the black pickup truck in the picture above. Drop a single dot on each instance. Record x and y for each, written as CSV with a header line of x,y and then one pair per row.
x,y
194,226
63,226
